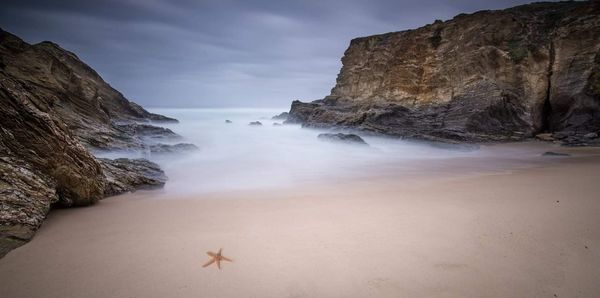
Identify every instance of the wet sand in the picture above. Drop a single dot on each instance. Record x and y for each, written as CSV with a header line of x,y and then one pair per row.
x,y
520,233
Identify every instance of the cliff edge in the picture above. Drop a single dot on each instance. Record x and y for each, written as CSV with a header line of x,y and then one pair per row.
x,y
53,109
489,76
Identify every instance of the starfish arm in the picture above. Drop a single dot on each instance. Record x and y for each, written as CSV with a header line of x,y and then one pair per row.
x,y
226,259
209,262
212,254
218,263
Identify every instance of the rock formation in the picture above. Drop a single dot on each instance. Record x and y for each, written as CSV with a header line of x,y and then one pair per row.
x,y
123,175
53,108
282,116
488,76
342,138
177,148
75,94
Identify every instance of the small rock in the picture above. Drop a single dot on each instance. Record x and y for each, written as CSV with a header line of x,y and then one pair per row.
x,y
282,116
545,137
550,153
591,135
341,137
166,148
255,123
228,121
145,131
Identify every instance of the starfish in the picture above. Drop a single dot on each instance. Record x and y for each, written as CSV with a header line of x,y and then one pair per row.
x,y
216,257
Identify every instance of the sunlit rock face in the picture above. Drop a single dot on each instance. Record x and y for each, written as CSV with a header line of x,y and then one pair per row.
x,y
492,75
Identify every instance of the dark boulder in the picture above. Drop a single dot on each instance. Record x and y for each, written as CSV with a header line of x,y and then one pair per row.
x,y
41,165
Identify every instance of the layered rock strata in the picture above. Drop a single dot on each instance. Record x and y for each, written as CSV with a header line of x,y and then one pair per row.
x,y
488,76
53,110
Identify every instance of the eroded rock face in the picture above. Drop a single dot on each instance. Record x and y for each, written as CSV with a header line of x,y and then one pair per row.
x,y
51,105
25,199
75,94
44,143
124,175
488,76
40,164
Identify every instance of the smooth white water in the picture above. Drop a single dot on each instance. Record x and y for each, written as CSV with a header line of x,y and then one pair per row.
x,y
237,156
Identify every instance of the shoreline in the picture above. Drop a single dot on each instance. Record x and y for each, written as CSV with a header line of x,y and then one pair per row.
x,y
485,235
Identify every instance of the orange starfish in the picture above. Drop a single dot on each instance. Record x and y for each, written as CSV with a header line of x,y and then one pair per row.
x,y
216,257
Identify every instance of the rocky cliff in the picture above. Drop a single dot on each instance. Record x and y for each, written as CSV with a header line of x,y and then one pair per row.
x,y
53,109
488,76
97,115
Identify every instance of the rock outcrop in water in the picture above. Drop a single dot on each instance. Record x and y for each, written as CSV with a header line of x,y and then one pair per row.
x,y
282,116
342,138
96,114
489,76
177,148
53,108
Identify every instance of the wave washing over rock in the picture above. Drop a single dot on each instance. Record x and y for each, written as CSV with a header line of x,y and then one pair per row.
x,y
488,76
54,109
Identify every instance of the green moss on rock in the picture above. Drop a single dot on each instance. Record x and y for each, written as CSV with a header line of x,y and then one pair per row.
x,y
516,51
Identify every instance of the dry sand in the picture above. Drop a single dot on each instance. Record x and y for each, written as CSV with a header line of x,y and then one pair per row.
x,y
528,233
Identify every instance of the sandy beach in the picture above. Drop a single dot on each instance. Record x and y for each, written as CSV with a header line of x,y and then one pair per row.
x,y
530,232
299,149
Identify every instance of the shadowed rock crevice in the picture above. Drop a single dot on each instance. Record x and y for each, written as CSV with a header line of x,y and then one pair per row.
x,y
546,117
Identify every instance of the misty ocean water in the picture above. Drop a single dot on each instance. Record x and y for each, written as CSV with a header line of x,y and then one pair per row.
x,y
237,156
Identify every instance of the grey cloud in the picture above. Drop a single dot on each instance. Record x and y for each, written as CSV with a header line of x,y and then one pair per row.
x,y
220,53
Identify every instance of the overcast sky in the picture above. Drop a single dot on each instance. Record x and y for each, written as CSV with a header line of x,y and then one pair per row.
x,y
238,53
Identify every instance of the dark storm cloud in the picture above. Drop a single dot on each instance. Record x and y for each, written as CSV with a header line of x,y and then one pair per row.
x,y
221,53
